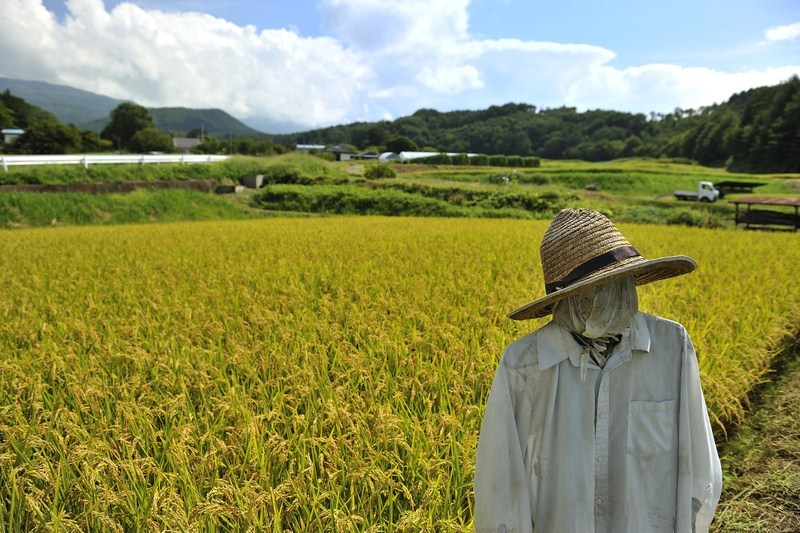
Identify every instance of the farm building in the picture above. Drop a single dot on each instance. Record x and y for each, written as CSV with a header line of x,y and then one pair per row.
x,y
309,147
388,156
184,145
341,153
10,134
757,217
410,156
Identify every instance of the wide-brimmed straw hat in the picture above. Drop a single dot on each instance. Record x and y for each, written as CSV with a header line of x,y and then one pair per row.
x,y
582,248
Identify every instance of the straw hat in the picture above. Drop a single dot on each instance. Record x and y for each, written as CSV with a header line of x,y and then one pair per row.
x,y
581,249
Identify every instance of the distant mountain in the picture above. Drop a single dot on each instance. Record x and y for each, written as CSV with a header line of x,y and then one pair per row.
x,y
274,127
91,111
68,104
182,120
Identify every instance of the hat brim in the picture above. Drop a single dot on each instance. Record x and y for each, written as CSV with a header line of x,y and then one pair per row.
x,y
645,272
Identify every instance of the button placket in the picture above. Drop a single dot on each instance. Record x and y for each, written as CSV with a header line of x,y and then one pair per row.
x,y
601,453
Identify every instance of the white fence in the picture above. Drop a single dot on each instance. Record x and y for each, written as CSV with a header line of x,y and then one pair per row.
x,y
86,160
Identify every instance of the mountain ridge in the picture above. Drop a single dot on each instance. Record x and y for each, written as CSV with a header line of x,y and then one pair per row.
x,y
91,111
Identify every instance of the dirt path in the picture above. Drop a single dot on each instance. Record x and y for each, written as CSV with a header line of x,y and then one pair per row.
x,y
761,462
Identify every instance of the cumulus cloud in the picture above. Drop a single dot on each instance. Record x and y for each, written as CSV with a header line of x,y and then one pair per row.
x,y
379,59
190,59
449,79
636,88
407,29
783,33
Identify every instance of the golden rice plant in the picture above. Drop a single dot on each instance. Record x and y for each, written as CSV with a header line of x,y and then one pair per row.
x,y
306,375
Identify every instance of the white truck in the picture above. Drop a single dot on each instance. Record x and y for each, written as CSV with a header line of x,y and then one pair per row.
x,y
705,193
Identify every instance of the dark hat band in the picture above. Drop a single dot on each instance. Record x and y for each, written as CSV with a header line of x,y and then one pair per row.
x,y
592,265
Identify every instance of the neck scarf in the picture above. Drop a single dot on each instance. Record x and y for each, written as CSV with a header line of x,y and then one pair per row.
x,y
597,316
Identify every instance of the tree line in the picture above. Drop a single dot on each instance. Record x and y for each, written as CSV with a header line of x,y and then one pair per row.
x,y
754,131
130,129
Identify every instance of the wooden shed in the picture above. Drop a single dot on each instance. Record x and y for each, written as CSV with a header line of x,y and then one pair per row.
x,y
786,216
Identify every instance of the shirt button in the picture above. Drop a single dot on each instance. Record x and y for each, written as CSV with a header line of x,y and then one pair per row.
x,y
601,414
600,458
598,501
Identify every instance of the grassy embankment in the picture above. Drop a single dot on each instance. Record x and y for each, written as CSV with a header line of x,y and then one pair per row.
x,y
629,190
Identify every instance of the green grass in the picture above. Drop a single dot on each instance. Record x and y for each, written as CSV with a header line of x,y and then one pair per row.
x,y
631,190
390,201
224,171
24,209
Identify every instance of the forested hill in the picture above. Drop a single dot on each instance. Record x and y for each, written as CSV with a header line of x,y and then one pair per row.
x,y
92,111
183,120
754,131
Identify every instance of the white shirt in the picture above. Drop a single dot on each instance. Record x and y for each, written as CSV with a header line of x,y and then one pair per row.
x,y
629,449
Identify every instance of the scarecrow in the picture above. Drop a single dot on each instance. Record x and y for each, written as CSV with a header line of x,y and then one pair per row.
x,y
596,421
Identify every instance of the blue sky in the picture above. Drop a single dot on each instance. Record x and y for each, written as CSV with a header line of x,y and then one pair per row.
x,y
289,65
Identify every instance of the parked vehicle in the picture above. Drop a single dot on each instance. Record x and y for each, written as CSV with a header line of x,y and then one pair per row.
x,y
705,193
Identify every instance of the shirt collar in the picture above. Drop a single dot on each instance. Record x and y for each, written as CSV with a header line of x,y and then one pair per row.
x,y
555,344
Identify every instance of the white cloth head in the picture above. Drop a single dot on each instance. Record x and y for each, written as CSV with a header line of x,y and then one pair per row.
x,y
597,315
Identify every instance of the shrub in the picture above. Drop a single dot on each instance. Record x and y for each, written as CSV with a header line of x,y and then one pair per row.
x,y
514,161
479,160
381,170
435,159
531,162
498,160
287,174
460,159
533,179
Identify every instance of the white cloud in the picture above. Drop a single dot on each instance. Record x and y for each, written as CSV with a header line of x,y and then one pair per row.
x,y
783,33
381,59
641,89
449,79
187,59
406,29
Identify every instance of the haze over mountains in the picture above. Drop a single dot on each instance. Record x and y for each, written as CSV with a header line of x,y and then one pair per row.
x,y
91,111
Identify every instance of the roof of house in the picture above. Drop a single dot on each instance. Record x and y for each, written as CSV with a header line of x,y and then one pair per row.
x,y
338,149
185,142
767,200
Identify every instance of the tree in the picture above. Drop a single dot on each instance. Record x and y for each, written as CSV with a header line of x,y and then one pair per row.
x,y
48,137
401,144
24,114
6,117
150,140
91,142
126,119
376,136
210,145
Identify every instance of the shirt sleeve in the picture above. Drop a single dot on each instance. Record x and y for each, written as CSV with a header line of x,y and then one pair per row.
x,y
699,469
501,490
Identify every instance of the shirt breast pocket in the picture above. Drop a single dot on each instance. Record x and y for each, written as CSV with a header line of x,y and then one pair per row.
x,y
650,427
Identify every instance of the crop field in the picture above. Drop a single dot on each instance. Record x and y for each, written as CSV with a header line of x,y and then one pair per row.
x,y
318,374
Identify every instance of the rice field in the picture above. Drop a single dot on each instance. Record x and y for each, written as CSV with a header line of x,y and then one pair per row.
x,y
319,374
